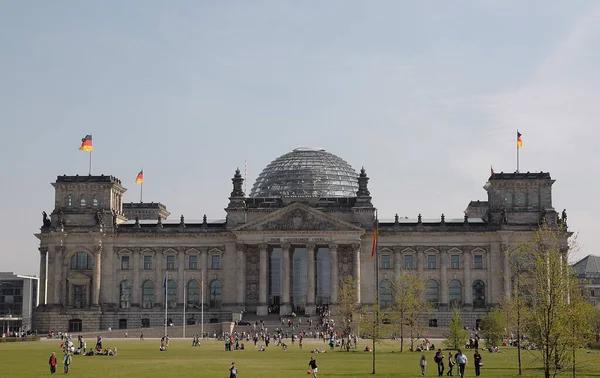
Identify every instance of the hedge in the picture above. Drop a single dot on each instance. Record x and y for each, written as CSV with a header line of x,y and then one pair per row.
x,y
17,339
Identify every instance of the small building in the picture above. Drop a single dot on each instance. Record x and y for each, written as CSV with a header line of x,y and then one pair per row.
x,y
18,298
587,271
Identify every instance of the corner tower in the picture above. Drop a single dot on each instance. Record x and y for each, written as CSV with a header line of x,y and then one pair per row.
x,y
521,198
86,201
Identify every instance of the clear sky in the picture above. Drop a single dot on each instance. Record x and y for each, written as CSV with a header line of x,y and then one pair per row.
x,y
426,95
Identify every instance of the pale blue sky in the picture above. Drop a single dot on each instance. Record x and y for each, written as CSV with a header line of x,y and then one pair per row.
x,y
426,95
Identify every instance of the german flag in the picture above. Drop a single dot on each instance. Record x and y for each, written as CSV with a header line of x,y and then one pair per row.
x,y
86,143
140,177
374,250
519,140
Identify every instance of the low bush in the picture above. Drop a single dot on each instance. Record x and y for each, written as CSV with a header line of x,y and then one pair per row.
x,y
18,339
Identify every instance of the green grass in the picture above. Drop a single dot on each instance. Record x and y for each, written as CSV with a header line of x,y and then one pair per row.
x,y
143,359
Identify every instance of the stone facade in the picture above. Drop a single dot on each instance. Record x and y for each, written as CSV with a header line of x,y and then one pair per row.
x,y
100,269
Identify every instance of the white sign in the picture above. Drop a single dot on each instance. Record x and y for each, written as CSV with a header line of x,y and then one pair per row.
x,y
297,240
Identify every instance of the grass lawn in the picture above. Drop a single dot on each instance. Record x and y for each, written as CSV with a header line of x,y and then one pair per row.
x,y
143,359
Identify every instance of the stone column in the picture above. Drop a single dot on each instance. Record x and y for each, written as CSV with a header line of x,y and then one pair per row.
x,y
443,300
262,308
204,268
181,289
59,279
420,262
467,290
43,277
333,249
397,263
286,306
310,273
507,272
356,269
96,276
137,264
241,275
159,289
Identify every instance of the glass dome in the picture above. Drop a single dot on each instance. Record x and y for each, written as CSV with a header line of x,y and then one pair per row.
x,y
307,172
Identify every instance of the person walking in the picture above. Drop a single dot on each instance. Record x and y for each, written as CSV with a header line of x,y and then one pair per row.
x,y
68,357
451,363
439,360
232,371
312,364
52,362
423,364
461,360
477,362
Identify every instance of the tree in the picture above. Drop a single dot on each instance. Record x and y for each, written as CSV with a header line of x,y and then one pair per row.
x,y
408,307
493,327
548,282
348,306
456,336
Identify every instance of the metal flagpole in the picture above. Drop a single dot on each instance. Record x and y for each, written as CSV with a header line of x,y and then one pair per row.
x,y
166,284
376,287
184,306
141,192
202,309
90,169
518,148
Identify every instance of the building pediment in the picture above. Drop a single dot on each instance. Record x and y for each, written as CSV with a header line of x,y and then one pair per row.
x,y
78,277
298,217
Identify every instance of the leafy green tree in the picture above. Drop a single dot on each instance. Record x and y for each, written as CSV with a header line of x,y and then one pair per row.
x,y
348,306
456,336
493,327
548,284
408,307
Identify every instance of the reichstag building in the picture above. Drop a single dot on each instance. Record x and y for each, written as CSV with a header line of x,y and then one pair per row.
x,y
307,224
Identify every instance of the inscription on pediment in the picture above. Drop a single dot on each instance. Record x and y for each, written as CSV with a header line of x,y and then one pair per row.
x,y
299,220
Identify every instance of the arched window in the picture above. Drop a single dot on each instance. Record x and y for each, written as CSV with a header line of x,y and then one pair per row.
x,y
385,294
216,294
172,293
432,291
478,294
82,202
148,294
125,294
81,261
454,293
70,200
95,202
193,294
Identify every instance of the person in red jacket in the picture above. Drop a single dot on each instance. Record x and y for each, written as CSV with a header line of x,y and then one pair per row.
x,y
52,363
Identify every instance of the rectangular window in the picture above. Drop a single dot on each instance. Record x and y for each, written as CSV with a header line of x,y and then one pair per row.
x,y
385,262
170,262
454,262
431,262
478,262
433,322
193,262
125,262
408,262
147,262
215,262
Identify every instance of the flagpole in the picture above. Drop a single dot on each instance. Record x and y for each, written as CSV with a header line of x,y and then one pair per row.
x,y
166,285
202,295
376,288
141,191
90,168
184,306
518,150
